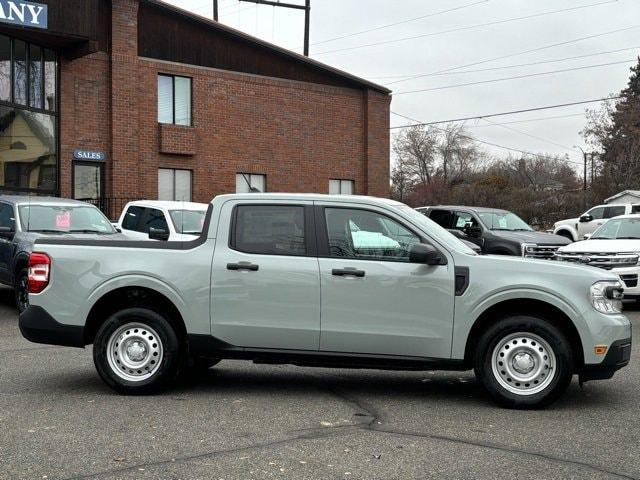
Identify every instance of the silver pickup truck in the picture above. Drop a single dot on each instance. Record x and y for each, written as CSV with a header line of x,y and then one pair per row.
x,y
333,281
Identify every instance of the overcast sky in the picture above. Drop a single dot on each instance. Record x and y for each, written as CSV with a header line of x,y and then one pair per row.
x,y
466,49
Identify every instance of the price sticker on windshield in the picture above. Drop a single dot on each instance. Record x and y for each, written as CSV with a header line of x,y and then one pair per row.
x,y
63,220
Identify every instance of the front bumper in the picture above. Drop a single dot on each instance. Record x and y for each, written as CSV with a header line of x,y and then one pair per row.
x,y
618,356
36,325
630,277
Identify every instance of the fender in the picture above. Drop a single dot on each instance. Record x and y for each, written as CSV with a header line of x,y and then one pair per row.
x,y
569,229
463,326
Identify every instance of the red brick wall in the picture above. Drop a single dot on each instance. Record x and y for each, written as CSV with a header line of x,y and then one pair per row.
x,y
299,134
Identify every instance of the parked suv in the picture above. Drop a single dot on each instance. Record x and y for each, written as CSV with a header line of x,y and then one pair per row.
x,y
318,280
497,232
576,228
25,219
615,246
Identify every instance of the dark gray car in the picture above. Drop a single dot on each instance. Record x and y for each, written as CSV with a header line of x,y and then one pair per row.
x,y
25,219
495,231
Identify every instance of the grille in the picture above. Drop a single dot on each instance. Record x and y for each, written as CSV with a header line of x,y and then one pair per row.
x,y
606,261
546,252
630,280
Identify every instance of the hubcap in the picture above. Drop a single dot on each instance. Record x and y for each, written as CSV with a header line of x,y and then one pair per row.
x,y
523,363
134,352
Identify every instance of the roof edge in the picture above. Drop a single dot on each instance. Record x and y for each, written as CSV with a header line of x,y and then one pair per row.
x,y
274,48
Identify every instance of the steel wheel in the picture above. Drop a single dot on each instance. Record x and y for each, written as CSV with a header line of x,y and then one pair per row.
x,y
523,363
134,352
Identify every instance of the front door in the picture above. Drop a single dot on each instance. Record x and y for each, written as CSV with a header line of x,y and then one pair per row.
x,y
373,300
88,182
265,280
597,219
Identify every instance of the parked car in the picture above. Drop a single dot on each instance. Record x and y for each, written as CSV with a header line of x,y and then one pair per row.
x,y
497,232
25,219
250,288
615,246
160,220
576,228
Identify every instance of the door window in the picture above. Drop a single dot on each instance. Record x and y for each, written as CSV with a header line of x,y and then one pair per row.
x,y
597,213
611,212
442,217
269,230
132,219
7,217
154,219
363,234
462,219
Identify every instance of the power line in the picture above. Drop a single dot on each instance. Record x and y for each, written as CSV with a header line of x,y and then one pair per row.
x,y
532,50
468,27
504,79
513,112
526,134
381,27
469,137
539,119
505,67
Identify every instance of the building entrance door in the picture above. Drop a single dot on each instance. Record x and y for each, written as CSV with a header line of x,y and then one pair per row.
x,y
88,182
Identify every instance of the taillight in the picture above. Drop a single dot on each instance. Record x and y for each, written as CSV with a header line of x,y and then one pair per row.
x,y
39,270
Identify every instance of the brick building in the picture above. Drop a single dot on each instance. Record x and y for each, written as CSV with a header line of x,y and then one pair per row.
x,y
112,100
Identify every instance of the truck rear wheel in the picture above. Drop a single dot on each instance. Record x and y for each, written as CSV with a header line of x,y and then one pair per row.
x,y
524,362
137,351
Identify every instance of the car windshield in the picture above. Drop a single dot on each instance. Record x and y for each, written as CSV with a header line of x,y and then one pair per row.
x,y
188,221
504,221
64,219
618,229
429,225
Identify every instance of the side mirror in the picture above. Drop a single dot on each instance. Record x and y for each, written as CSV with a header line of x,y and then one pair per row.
x,y
158,234
425,254
585,218
587,236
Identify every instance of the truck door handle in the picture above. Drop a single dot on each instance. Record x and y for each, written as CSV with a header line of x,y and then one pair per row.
x,y
348,272
236,267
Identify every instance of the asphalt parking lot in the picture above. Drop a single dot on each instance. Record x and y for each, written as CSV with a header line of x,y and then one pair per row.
x,y
244,421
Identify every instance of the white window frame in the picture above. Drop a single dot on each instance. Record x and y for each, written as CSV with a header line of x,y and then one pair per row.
x,y
249,181
343,186
173,174
173,99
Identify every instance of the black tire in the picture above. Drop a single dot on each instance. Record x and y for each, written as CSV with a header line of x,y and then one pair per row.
x,y
498,384
21,290
146,325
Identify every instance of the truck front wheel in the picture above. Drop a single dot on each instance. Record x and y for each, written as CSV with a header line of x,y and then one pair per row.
x,y
524,362
137,351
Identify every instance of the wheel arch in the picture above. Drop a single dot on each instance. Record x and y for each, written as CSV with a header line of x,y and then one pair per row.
x,y
21,260
530,307
570,233
128,297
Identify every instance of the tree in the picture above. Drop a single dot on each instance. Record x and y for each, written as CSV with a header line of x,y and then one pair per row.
x,y
416,150
458,152
615,131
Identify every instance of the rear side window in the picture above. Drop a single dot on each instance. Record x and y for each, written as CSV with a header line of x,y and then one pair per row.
x,y
132,219
7,217
611,212
269,230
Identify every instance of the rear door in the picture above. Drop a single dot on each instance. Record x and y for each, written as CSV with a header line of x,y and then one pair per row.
x,y
265,276
373,300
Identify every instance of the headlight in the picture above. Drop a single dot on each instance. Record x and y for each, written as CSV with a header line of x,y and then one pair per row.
x,y
606,296
528,248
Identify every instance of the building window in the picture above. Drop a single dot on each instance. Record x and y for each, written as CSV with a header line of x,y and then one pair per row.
x,y
251,183
28,122
174,100
342,187
174,185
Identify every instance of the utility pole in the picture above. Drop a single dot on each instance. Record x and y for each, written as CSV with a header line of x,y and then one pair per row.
x,y
585,156
307,15
215,10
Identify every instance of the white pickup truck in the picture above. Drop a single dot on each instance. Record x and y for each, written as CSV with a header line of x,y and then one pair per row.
x,y
576,228
615,246
321,280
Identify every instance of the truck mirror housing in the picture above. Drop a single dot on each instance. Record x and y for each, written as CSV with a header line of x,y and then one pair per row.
x,y
585,218
425,254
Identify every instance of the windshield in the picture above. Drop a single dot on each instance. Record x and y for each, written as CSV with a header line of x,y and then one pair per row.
x,y
503,221
619,228
64,219
430,226
188,221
